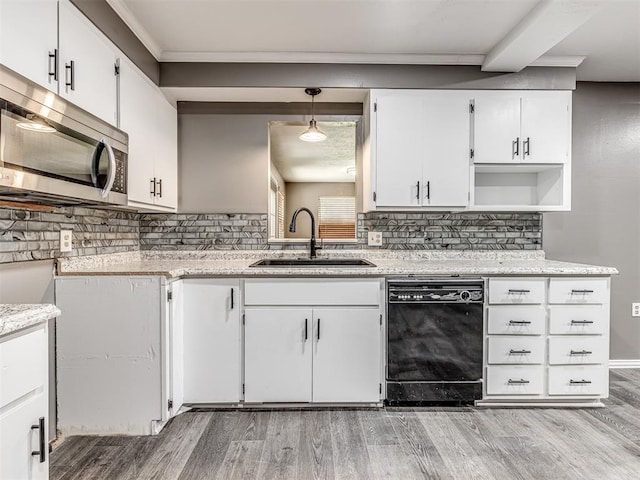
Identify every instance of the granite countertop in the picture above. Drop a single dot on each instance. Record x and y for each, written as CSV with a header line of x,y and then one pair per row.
x,y
175,264
14,317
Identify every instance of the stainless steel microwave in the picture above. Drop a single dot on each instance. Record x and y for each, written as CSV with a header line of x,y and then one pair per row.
x,y
55,153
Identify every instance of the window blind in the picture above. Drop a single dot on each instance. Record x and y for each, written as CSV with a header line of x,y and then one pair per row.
x,y
337,217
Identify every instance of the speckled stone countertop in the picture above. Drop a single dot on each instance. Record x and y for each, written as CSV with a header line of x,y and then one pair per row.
x,y
14,317
220,263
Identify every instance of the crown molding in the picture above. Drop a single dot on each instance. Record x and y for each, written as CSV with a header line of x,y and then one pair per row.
x,y
136,27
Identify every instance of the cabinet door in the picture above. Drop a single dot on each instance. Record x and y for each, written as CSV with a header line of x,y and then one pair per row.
x,y
346,360
546,127
445,172
496,128
212,355
137,118
28,35
400,130
166,153
278,346
18,440
90,82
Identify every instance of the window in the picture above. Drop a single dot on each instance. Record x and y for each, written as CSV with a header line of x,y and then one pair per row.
x,y
337,217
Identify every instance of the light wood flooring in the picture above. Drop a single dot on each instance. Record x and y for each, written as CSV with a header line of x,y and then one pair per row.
x,y
393,443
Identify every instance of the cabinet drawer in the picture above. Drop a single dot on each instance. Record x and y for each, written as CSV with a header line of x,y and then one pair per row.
x,y
515,320
304,291
576,381
576,350
517,349
514,380
580,320
578,290
23,365
516,290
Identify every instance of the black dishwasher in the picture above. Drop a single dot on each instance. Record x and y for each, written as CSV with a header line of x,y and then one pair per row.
x,y
434,341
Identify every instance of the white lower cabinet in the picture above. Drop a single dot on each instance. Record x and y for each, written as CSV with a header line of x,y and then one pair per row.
x,y
117,354
278,361
325,352
553,348
212,341
24,405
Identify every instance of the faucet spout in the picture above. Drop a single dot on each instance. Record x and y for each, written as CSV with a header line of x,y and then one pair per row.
x,y
292,228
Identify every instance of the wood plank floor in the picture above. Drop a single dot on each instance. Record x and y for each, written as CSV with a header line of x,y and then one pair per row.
x,y
393,443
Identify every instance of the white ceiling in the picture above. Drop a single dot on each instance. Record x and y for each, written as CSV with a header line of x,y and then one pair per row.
x,y
325,161
601,37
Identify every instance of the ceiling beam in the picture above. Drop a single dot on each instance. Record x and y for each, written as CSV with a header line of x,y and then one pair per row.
x,y
550,22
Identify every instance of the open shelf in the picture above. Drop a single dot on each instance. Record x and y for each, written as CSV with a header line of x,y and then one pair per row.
x,y
540,187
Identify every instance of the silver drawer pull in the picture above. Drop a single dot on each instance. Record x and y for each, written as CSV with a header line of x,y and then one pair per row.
x,y
581,322
580,292
519,352
522,381
579,382
580,352
519,322
512,290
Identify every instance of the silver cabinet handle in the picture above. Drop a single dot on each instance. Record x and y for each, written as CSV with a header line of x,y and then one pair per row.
x,y
53,72
318,329
580,292
428,190
581,322
153,186
42,452
580,352
513,290
231,299
526,146
519,322
522,381
519,352
579,382
70,82
306,329
418,190
160,187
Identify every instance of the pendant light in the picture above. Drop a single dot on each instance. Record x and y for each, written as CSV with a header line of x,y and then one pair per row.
x,y
312,134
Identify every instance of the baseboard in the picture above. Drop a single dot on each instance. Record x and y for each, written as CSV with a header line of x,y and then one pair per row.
x,y
624,363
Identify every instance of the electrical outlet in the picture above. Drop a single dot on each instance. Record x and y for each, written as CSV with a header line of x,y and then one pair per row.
x,y
375,239
635,309
66,240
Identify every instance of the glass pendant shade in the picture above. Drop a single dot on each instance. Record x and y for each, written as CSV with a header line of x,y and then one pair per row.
x,y
313,134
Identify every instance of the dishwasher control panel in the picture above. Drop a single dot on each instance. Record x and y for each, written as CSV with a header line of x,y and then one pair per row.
x,y
429,291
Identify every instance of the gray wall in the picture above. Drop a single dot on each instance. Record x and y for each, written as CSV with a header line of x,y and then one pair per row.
x,y
305,194
223,161
603,226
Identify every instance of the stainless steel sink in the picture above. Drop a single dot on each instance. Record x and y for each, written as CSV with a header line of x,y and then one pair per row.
x,y
312,262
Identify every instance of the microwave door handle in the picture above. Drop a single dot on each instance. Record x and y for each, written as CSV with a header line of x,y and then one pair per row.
x,y
111,170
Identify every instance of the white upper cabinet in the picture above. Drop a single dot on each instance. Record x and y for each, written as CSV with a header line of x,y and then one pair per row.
x,y
31,53
399,138
152,125
87,65
496,128
522,127
420,143
546,127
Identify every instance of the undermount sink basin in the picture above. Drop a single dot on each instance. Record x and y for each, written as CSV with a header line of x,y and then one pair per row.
x,y
312,262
